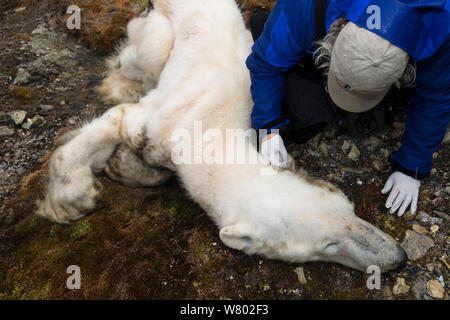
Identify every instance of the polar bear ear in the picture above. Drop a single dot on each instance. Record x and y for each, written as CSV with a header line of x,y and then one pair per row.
x,y
238,236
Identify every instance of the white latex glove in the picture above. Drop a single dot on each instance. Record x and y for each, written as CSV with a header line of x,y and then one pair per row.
x,y
274,151
405,191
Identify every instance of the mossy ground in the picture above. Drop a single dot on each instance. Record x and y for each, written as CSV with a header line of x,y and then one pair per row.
x,y
150,243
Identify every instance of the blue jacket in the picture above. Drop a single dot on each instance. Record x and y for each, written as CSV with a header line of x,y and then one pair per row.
x,y
420,27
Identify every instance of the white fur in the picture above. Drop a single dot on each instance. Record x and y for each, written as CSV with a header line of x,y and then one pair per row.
x,y
189,58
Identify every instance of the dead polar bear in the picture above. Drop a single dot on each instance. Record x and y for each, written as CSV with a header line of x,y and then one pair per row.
x,y
194,53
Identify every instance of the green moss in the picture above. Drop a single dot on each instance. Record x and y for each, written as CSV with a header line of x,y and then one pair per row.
x,y
40,294
16,293
142,3
81,229
179,211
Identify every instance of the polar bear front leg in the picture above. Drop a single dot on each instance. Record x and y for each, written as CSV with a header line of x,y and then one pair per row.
x,y
72,189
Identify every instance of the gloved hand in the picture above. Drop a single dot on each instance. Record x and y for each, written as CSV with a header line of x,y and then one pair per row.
x,y
274,151
405,191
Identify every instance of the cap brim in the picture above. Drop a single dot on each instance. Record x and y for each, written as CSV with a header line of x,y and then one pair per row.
x,y
349,102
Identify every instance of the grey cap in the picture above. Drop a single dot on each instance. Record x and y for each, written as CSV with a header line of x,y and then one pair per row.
x,y
363,68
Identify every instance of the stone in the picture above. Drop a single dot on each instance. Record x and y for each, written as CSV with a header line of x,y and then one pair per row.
x,y
323,147
385,153
419,289
441,215
416,245
354,153
18,117
434,228
36,121
372,144
377,165
39,30
419,229
430,267
301,275
427,219
435,289
5,131
346,146
47,107
23,77
400,287
387,292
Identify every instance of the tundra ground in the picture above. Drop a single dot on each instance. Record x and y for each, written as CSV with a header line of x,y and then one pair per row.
x,y
156,243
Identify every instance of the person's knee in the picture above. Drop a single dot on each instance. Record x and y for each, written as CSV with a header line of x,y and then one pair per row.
x,y
257,22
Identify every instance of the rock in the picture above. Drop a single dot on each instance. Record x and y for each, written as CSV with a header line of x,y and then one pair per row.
x,y
377,165
300,275
354,153
441,215
36,121
387,292
434,228
435,289
20,171
67,63
346,146
430,267
385,153
18,116
400,287
372,144
23,77
39,30
441,281
46,107
419,289
419,229
427,219
416,245
5,131
323,147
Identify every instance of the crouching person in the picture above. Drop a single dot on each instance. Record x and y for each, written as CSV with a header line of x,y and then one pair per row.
x,y
361,50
